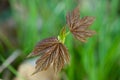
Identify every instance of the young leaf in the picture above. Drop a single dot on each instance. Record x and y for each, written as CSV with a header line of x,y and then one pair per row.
x,y
52,52
79,26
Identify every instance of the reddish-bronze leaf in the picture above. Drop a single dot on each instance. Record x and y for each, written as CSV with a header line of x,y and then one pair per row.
x,y
79,26
52,52
43,46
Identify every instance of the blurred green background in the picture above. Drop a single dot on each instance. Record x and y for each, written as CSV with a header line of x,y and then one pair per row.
x,y
25,22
